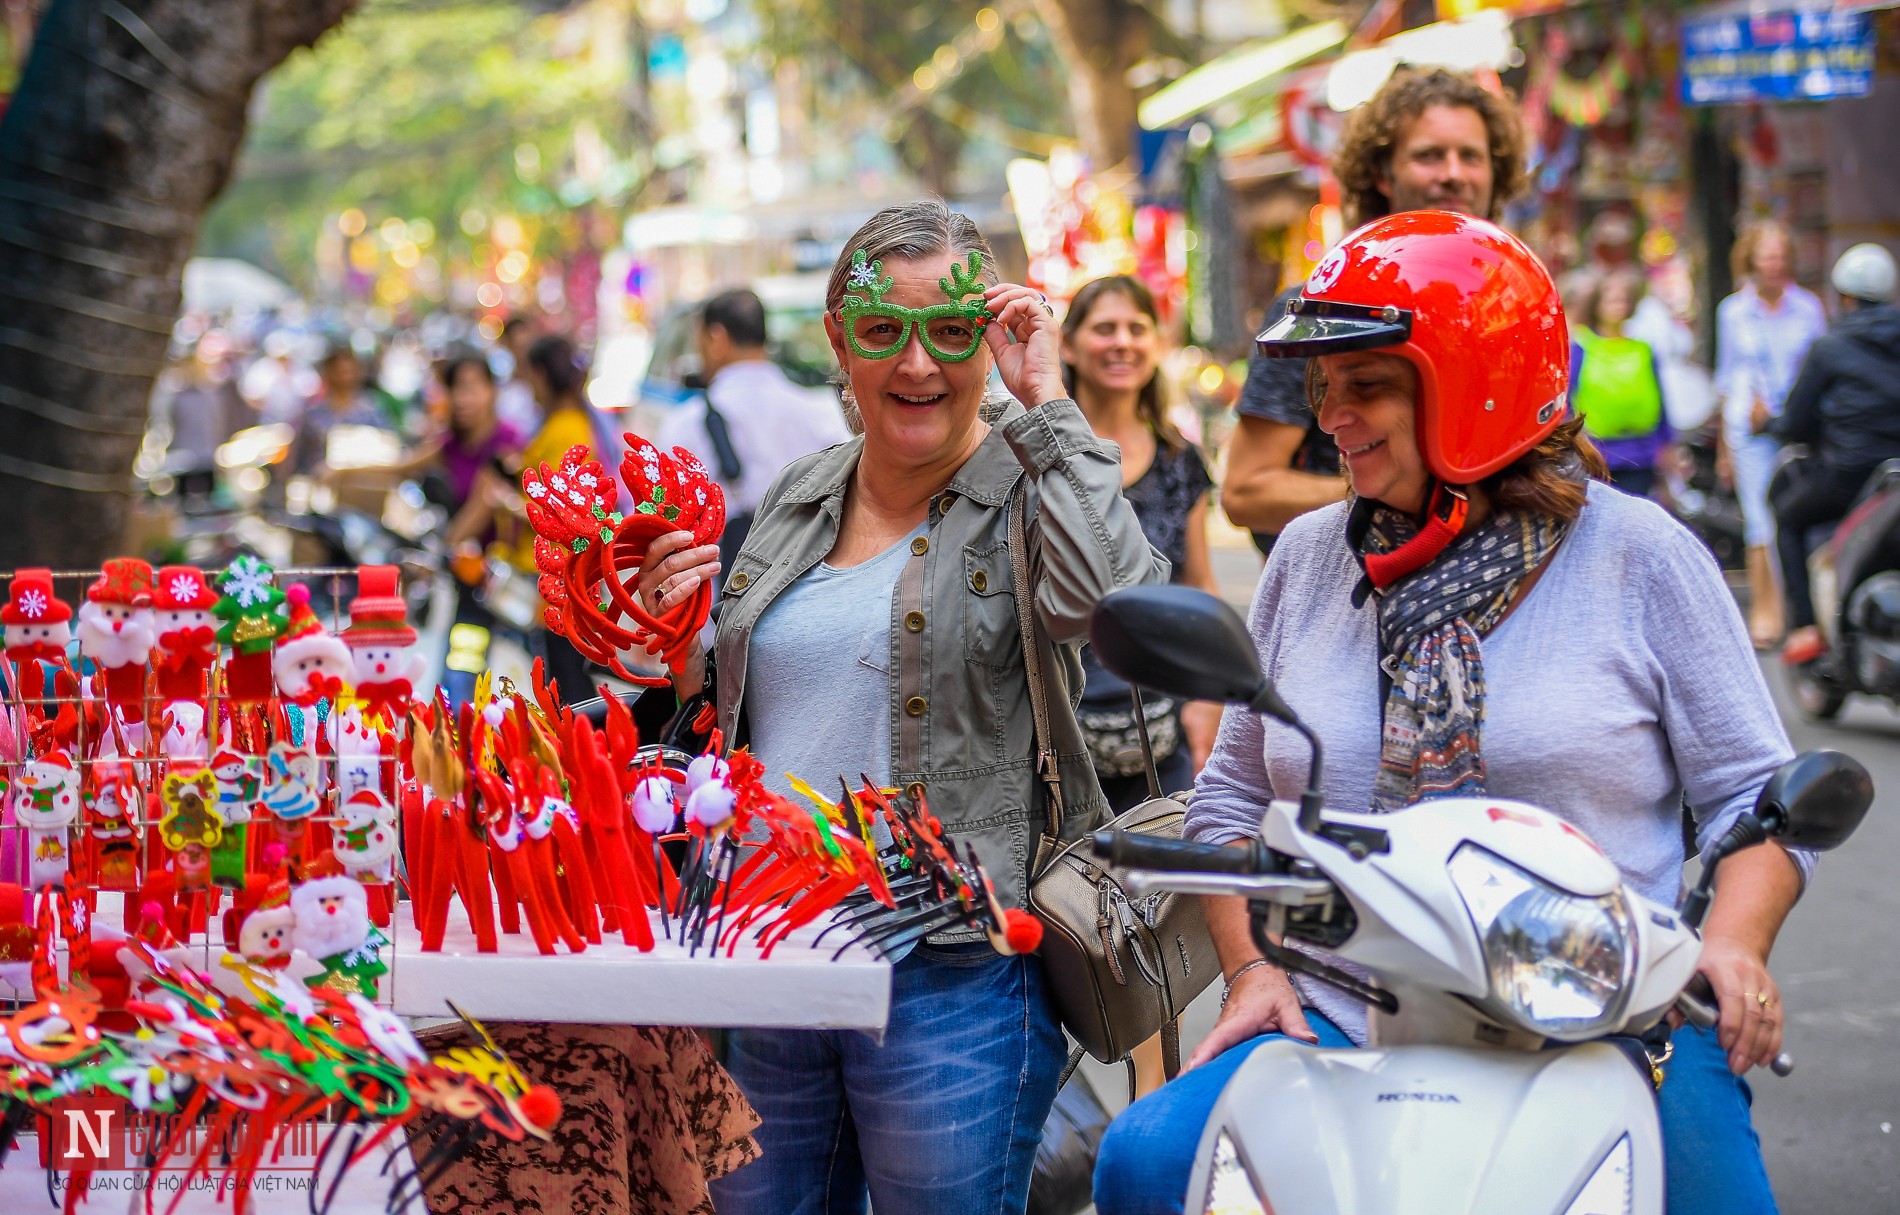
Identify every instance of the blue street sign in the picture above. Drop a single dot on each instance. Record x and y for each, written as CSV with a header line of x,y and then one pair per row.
x,y
1777,56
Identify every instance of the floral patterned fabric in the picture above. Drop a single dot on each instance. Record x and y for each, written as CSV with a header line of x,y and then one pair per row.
x,y
647,1118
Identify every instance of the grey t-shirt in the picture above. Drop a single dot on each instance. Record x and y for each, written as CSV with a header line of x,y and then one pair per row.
x,y
1623,682
818,692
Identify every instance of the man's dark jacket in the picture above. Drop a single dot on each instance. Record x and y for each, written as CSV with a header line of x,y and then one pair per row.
x,y
1845,404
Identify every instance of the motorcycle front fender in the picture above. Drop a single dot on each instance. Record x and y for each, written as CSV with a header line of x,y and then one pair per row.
x,y
1432,1130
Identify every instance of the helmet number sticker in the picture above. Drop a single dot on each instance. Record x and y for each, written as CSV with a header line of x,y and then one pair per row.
x,y
1327,272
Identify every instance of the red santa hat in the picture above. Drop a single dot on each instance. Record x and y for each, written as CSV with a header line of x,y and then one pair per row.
x,y
125,581
30,600
181,588
378,615
306,633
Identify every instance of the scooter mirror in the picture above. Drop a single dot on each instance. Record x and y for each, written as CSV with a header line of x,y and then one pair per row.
x,y
1182,641
1816,800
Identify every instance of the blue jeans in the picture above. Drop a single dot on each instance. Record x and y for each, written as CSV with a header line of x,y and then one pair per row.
x,y
1711,1154
943,1119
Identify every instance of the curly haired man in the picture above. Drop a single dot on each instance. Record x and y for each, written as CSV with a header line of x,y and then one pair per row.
x,y
1428,140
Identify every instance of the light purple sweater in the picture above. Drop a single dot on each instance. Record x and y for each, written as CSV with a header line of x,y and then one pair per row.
x,y
1623,680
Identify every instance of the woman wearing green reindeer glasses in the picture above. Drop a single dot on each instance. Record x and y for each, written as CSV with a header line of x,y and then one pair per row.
x,y
868,626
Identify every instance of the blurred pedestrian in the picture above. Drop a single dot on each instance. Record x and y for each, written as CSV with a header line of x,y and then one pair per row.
x,y
1845,406
752,420
557,374
1662,320
1427,140
1111,363
1617,386
467,451
345,397
275,384
199,403
514,402
1761,333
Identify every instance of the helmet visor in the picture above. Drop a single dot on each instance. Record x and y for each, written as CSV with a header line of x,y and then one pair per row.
x,y
1315,327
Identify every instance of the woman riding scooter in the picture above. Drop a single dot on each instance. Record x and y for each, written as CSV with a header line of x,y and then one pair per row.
x,y
1483,617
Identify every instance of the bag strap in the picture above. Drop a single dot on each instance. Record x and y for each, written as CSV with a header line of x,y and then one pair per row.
x,y
1024,594
725,454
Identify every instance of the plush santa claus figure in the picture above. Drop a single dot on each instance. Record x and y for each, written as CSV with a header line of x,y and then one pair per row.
x,y
38,626
333,926
44,798
116,629
187,637
310,664
382,645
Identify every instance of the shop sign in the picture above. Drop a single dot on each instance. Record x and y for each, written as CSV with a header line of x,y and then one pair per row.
x,y
1806,55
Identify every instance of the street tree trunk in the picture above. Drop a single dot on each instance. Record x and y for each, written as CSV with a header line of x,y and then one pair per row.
x,y
123,130
1100,40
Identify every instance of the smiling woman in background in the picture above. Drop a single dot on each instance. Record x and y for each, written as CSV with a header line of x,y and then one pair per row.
x,y
1111,362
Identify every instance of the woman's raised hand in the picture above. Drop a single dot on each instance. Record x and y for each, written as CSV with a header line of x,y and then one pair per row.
x,y
1031,364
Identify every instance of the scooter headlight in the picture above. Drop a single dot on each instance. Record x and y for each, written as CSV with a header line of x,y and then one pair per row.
x,y
1229,1190
1559,963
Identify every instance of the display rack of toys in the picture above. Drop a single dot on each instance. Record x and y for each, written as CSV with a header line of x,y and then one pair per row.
x,y
238,846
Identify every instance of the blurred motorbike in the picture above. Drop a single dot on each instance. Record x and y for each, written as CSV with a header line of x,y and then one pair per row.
x,y
1693,491
1855,582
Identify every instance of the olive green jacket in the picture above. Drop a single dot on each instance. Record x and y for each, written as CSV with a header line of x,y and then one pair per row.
x,y
960,715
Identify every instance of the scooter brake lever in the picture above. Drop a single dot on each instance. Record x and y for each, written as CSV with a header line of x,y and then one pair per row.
x,y
1703,1016
1696,1012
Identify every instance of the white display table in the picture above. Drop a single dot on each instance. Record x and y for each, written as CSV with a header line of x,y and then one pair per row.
x,y
612,983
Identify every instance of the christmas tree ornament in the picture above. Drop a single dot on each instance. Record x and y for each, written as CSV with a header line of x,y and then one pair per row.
x,y
116,628
187,642
382,645
309,663
365,843
38,626
113,797
240,785
190,826
44,796
264,923
252,615
358,750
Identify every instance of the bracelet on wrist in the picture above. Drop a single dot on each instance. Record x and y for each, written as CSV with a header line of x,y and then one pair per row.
x,y
1235,978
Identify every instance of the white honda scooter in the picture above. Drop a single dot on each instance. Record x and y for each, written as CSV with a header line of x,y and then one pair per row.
x,y
1521,986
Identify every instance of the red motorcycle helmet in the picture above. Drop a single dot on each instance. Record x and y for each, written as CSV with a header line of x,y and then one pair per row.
x,y
1469,306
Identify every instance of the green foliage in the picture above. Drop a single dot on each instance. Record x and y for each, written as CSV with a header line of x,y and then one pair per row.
x,y
416,110
1010,94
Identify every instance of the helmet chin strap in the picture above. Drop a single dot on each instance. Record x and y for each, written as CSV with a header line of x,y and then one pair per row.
x,y
1445,515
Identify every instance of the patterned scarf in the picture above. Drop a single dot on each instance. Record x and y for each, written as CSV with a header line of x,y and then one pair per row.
x,y
1430,624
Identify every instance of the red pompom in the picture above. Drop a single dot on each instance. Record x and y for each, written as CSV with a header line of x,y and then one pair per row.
x,y
298,594
274,854
541,1107
1022,930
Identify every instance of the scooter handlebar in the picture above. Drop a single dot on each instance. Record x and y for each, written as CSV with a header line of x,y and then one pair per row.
x,y
1130,850
1697,1006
